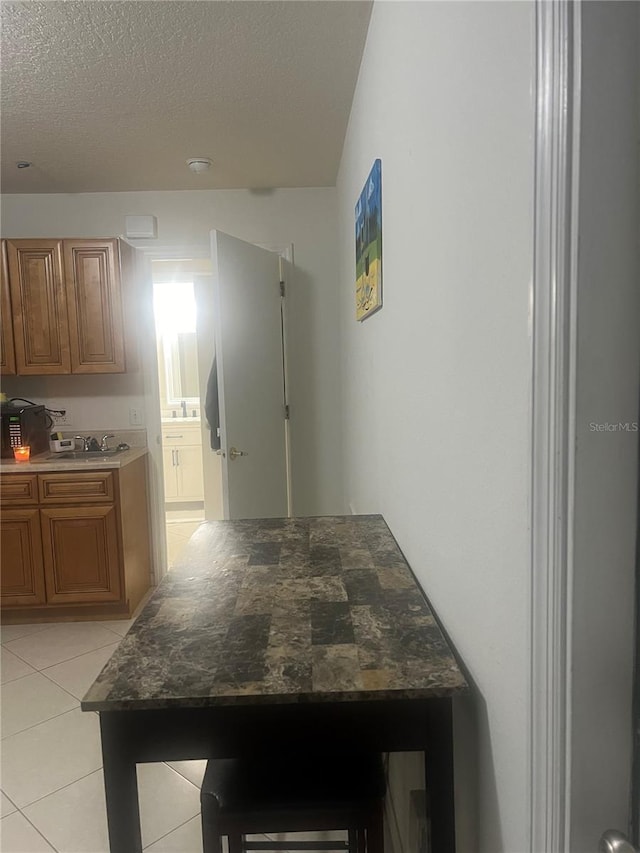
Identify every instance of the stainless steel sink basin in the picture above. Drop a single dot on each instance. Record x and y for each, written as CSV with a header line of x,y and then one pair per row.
x,y
86,454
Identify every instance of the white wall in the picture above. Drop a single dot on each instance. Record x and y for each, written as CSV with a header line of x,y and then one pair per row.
x,y
304,217
608,385
436,385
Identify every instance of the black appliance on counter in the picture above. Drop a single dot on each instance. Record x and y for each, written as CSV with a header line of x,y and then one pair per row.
x,y
24,423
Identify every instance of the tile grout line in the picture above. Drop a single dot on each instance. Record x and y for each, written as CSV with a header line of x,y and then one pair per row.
x,y
50,844
17,808
57,790
42,722
19,678
74,657
175,829
81,655
168,763
84,776
45,625
179,774
59,686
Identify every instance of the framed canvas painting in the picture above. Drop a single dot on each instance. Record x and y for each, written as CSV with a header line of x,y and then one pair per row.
x,y
369,245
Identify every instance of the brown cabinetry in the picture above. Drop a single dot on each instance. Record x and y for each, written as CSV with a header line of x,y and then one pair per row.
x,y
22,566
65,306
81,561
78,546
7,350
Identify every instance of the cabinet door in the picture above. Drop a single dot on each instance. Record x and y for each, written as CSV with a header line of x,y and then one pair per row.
x,y
81,555
92,278
22,579
38,300
7,353
18,489
189,470
169,466
76,487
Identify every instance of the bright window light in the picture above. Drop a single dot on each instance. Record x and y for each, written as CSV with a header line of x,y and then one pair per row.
x,y
174,307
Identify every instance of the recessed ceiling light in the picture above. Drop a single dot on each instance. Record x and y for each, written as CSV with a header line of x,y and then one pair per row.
x,y
23,164
199,164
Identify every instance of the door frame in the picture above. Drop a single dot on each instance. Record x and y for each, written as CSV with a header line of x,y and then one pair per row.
x,y
149,366
144,255
553,301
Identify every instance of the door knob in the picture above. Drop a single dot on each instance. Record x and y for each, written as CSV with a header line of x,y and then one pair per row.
x,y
233,453
615,842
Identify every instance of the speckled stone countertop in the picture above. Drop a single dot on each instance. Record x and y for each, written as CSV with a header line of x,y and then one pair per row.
x,y
277,611
43,463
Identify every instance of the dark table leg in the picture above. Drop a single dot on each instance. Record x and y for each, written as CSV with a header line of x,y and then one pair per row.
x,y
121,786
439,778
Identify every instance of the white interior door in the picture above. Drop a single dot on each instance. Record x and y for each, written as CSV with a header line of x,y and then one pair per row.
x,y
211,463
249,356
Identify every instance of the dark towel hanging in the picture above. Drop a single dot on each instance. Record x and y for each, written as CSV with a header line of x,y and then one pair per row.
x,y
212,406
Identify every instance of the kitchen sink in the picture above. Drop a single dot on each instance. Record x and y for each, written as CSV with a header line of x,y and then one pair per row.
x,y
86,454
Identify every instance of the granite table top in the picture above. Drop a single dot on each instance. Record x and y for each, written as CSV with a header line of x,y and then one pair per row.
x,y
281,611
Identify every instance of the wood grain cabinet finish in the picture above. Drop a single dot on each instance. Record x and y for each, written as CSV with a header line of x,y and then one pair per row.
x,y
95,306
19,489
81,558
39,307
66,306
22,577
85,487
7,349
78,546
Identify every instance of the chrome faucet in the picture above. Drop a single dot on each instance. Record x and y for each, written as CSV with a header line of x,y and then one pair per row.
x,y
104,444
85,441
183,403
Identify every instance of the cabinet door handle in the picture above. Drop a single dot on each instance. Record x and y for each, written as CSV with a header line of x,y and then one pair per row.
x,y
173,436
173,458
177,457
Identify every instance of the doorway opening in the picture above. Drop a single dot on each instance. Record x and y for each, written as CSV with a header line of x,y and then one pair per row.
x,y
184,430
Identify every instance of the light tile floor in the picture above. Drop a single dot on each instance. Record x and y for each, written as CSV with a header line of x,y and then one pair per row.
x,y
178,534
52,794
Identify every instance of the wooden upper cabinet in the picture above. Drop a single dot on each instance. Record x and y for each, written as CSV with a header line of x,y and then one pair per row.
x,y
7,352
38,299
94,302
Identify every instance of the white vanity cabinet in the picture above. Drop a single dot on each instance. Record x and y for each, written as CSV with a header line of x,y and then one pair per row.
x,y
182,458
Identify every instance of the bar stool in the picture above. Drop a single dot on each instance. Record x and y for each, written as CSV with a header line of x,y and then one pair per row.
x,y
241,797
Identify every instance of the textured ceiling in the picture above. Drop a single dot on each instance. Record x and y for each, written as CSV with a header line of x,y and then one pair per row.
x,y
114,96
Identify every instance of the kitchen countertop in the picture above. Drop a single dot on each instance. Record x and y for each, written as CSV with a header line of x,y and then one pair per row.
x,y
282,611
42,463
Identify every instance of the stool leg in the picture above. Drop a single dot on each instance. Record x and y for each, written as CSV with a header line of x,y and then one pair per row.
x,y
353,840
362,841
375,830
235,843
211,840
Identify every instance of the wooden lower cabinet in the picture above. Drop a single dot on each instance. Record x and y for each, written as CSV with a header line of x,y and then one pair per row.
x,y
21,564
82,552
